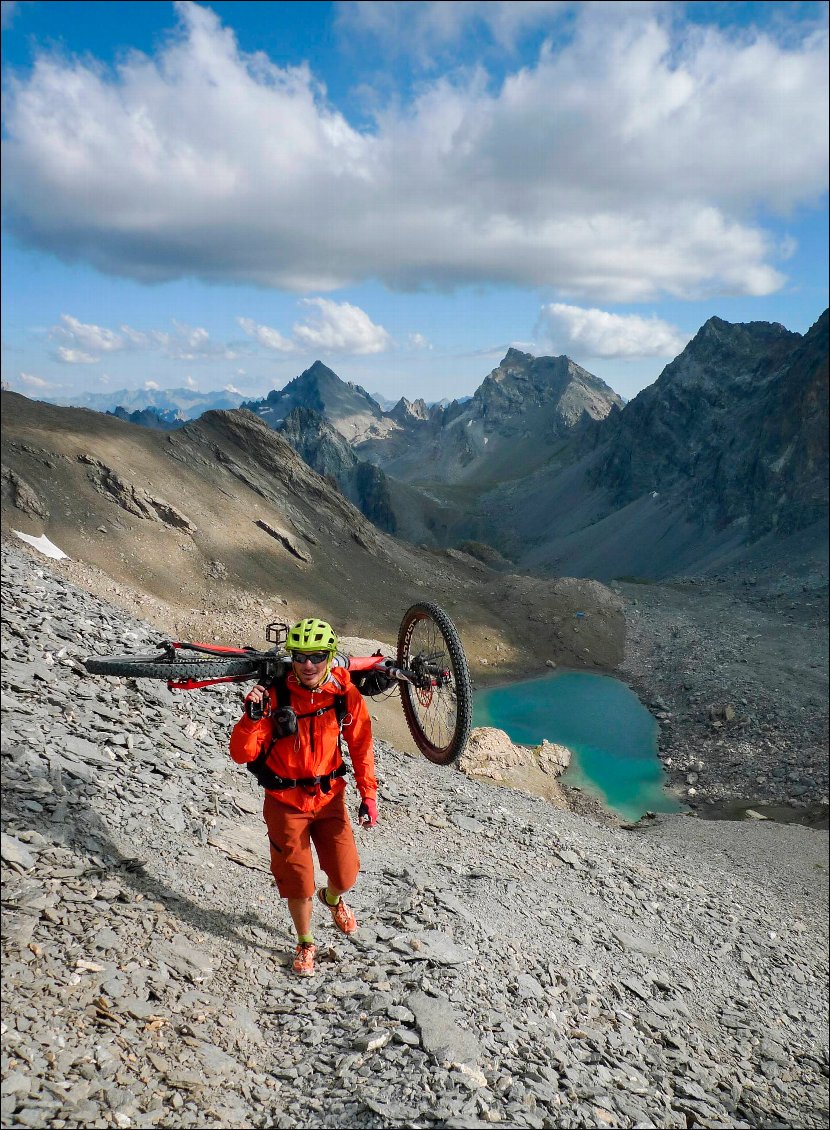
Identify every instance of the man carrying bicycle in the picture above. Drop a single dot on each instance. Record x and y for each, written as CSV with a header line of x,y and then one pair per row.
x,y
290,738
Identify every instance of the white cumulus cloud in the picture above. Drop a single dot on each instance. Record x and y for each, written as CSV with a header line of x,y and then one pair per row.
x,y
71,356
598,333
334,327
85,342
266,336
630,161
341,328
95,339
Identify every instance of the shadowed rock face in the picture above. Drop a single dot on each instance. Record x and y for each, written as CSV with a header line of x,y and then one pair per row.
x,y
722,460
22,496
736,427
332,457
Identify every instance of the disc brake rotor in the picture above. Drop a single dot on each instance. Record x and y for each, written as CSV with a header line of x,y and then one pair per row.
x,y
424,695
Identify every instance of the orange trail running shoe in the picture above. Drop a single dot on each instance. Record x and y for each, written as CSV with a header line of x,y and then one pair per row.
x,y
342,917
304,956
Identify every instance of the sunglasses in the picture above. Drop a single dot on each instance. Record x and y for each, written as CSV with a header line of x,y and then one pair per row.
x,y
310,656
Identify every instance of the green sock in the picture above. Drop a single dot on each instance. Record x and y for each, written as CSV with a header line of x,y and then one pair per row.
x,y
332,901
305,939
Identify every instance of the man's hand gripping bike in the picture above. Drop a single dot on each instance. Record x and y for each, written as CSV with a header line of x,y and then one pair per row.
x,y
430,671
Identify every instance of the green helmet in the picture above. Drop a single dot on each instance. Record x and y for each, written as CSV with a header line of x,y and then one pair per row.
x,y
312,635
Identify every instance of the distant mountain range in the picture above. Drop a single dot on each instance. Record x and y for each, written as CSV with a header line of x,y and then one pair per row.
x,y
168,401
548,467
723,457
163,419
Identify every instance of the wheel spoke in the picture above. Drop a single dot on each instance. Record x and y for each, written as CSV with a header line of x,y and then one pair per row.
x,y
438,710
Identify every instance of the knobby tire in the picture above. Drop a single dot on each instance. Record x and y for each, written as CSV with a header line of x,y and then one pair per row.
x,y
440,721
159,667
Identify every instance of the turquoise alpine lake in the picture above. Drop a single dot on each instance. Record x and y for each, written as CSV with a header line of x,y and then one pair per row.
x,y
611,735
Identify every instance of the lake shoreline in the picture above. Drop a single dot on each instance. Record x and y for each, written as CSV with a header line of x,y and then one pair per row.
x,y
738,808
611,736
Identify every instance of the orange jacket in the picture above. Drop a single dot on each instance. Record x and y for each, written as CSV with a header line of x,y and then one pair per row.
x,y
313,750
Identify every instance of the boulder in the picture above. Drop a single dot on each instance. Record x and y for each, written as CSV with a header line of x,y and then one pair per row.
x,y
553,758
490,753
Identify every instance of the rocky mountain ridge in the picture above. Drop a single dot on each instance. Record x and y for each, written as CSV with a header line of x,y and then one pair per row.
x,y
325,449
393,506
737,424
722,459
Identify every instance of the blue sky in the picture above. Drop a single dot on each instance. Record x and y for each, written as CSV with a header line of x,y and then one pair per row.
x,y
216,195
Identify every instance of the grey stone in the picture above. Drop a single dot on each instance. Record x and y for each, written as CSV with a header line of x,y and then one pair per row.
x,y
441,1035
432,945
14,851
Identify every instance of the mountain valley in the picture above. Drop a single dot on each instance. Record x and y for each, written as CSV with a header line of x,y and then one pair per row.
x,y
717,605
717,462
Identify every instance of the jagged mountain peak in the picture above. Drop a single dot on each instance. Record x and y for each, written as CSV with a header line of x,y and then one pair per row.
x,y
318,371
717,327
522,383
515,356
722,356
543,372
734,430
406,411
324,378
503,431
348,407
733,345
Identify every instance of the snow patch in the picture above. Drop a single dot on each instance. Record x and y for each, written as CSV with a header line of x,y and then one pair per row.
x,y
43,545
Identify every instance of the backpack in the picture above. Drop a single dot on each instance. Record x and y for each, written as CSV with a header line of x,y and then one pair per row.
x,y
285,723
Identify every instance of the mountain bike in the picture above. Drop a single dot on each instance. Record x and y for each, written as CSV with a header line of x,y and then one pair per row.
x,y
430,672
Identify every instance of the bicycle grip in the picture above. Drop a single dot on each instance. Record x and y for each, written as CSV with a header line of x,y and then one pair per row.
x,y
258,710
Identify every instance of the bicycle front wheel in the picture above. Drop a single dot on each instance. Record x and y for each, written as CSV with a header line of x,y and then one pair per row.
x,y
159,666
438,708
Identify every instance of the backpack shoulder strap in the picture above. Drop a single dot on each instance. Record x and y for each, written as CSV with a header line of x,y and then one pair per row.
x,y
340,709
280,685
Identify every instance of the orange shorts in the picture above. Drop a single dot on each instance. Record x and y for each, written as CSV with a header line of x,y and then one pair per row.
x,y
291,834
